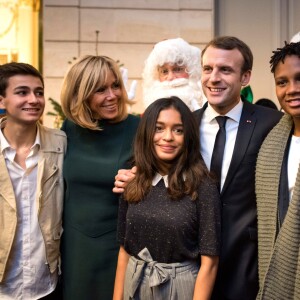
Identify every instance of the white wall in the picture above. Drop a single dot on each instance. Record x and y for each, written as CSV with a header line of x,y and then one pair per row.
x,y
264,25
128,31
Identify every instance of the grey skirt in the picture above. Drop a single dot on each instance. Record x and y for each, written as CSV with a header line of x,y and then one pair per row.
x,y
147,279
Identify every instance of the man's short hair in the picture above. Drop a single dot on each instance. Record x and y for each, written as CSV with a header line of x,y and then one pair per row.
x,y
266,102
15,68
230,43
280,54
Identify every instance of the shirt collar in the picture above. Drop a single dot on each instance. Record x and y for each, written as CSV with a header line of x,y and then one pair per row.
x,y
5,144
234,114
158,177
3,141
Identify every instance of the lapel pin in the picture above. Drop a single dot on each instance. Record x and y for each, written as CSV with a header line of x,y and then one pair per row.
x,y
248,121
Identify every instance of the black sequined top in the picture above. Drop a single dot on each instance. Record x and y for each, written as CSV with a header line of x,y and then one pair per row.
x,y
172,230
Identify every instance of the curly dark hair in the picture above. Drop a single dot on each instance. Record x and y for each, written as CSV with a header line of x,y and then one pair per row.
x,y
280,54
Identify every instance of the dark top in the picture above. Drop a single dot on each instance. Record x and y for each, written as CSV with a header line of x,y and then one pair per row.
x,y
172,230
89,244
91,163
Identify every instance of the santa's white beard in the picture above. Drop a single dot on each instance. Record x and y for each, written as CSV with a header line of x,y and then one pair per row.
x,y
180,87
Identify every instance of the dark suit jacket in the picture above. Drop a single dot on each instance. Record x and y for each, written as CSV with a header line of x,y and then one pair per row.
x,y
238,275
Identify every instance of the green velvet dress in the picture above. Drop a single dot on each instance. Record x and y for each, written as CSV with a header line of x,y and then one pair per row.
x,y
89,243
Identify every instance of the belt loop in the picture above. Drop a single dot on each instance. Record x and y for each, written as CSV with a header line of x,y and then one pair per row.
x,y
173,271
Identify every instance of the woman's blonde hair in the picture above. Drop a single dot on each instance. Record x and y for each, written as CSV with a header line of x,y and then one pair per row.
x,y
82,80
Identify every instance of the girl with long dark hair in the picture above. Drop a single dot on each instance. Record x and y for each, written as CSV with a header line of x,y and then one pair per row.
x,y
169,215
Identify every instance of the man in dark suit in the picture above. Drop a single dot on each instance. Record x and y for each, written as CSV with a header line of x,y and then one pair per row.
x,y
227,64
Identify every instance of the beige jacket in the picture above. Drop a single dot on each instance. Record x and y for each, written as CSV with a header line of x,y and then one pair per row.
x,y
49,197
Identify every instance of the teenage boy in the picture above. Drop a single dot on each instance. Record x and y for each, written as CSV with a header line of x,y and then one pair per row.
x,y
31,188
278,186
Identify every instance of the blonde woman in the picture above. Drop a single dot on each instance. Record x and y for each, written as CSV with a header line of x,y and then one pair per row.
x,y
100,134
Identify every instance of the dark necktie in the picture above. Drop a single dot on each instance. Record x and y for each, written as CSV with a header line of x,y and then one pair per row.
x,y
218,152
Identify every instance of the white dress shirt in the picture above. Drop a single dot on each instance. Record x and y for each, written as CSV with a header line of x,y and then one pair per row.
x,y
293,163
208,131
27,275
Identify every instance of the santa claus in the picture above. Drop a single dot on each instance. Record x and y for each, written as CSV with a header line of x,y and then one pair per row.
x,y
173,68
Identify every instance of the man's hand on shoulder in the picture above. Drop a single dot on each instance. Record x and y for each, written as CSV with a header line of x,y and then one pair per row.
x,y
123,178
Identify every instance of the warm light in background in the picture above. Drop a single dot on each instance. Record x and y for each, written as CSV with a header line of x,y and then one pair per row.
x,y
19,37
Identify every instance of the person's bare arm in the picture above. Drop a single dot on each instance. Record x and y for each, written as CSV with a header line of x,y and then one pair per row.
x,y
206,277
120,274
122,179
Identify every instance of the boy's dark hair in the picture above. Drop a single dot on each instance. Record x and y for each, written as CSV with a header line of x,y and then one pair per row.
x,y
14,68
230,43
280,54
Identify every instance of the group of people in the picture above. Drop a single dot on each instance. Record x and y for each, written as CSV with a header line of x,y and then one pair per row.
x,y
184,203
